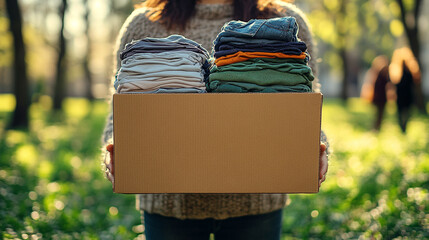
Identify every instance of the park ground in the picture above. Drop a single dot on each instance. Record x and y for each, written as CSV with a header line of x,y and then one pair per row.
x,y
52,186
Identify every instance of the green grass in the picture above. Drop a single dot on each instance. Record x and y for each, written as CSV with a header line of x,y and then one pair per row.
x,y
52,187
377,184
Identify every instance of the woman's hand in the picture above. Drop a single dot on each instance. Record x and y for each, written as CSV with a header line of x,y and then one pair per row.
x,y
109,161
323,164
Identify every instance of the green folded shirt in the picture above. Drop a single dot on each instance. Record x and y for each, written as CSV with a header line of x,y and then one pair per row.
x,y
261,77
243,87
294,66
264,71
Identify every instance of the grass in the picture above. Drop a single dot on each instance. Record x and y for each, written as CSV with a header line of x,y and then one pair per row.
x,y
52,187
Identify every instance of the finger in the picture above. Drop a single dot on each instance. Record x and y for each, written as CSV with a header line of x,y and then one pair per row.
x,y
111,161
322,148
112,168
110,148
323,164
323,169
322,180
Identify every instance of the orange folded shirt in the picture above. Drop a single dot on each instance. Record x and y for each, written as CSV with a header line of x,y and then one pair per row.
x,y
243,56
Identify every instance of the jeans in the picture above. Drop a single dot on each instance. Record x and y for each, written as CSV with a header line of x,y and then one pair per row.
x,y
237,41
262,227
283,29
272,46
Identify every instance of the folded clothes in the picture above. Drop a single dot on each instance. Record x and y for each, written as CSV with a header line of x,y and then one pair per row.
x,y
272,46
173,57
244,87
244,56
264,77
282,28
177,39
162,82
272,61
262,55
295,48
147,68
157,45
150,67
124,76
261,64
238,41
171,90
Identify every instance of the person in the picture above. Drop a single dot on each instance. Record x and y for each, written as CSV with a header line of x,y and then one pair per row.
x,y
376,86
405,73
196,216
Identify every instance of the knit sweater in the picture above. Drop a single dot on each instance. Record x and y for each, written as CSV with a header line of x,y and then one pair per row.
x,y
203,28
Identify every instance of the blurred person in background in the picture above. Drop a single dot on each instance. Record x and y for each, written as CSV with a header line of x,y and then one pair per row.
x,y
376,87
405,74
195,216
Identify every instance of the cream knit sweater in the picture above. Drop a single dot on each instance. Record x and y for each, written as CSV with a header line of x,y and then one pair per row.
x,y
203,28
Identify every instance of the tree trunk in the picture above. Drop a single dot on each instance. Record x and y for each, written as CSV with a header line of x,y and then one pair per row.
x,y
60,81
341,29
345,86
88,77
21,84
412,33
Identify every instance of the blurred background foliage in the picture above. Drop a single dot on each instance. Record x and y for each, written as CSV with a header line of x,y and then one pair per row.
x,y
52,186
350,34
378,182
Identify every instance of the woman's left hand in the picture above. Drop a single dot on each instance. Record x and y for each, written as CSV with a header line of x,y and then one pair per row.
x,y
323,163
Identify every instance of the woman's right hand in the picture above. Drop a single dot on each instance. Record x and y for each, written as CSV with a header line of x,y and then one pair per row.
x,y
109,161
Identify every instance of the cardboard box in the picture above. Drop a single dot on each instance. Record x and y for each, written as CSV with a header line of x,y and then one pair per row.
x,y
217,142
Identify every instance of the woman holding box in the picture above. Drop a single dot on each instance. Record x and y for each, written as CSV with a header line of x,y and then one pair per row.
x,y
196,216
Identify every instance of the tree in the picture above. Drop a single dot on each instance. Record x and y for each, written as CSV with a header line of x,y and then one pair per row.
x,y
342,38
88,77
410,19
21,84
351,33
60,80
336,23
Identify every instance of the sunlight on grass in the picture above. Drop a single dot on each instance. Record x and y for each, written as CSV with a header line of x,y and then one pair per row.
x,y
27,155
76,107
45,169
376,185
45,102
15,137
7,102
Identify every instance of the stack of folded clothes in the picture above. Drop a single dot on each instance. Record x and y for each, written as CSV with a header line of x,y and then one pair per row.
x,y
163,65
262,55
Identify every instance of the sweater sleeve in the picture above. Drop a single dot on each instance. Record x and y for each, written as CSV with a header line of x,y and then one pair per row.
x,y
136,26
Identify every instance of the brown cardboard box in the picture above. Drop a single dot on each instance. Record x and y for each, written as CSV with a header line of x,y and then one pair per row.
x,y
217,142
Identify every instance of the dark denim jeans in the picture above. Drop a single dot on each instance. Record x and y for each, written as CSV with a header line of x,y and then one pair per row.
x,y
262,227
283,29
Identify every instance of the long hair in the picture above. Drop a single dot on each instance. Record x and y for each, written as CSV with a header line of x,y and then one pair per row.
x,y
403,59
176,13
